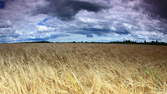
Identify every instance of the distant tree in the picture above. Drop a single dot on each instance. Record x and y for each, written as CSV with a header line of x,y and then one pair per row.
x,y
156,42
145,42
74,42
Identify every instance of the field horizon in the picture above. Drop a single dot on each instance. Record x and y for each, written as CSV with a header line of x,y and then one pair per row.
x,y
77,68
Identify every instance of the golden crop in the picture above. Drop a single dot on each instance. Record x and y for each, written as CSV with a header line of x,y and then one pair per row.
x,y
62,68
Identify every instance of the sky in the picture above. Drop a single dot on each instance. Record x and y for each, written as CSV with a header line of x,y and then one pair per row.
x,y
82,20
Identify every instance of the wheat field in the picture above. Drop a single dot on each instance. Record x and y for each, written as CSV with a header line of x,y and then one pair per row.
x,y
66,68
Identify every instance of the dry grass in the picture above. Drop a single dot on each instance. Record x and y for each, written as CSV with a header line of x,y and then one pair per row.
x,y
82,69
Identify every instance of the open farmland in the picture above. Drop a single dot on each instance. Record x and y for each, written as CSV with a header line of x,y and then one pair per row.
x,y
73,68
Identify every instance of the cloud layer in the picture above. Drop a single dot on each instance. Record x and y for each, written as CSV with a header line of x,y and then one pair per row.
x,y
66,9
80,20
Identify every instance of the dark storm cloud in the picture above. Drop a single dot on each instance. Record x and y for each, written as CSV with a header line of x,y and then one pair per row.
x,y
66,9
157,7
90,32
2,4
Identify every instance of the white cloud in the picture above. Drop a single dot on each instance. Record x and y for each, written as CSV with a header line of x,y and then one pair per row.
x,y
44,28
